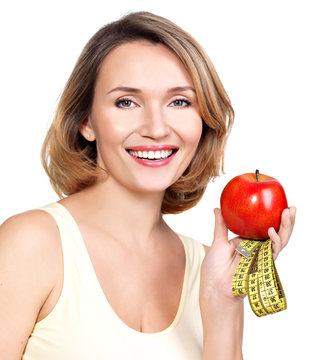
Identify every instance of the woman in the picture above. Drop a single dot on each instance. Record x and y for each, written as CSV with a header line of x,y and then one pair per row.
x,y
139,131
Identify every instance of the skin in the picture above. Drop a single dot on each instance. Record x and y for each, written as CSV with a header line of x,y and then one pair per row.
x,y
120,215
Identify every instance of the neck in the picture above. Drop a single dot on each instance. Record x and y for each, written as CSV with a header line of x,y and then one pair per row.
x,y
128,216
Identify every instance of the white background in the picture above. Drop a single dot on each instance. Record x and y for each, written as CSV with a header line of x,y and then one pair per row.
x,y
269,57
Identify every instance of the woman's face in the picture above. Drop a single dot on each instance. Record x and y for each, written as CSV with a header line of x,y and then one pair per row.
x,y
145,117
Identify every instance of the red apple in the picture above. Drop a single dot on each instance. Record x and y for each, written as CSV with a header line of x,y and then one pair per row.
x,y
251,204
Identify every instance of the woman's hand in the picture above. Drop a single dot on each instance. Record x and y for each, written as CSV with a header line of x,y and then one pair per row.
x,y
219,263
221,259
222,313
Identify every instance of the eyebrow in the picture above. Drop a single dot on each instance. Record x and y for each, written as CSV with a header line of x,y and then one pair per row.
x,y
181,88
135,90
125,89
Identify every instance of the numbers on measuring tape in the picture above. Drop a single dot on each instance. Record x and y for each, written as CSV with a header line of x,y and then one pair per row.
x,y
256,276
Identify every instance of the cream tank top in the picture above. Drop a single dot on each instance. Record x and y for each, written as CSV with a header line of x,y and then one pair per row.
x,y
83,326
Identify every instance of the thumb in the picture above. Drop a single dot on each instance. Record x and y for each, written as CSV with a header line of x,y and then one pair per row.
x,y
220,229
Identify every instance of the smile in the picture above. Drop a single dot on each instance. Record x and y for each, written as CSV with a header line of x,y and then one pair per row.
x,y
152,156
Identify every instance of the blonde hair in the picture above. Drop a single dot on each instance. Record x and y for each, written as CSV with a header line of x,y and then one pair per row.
x,y
70,160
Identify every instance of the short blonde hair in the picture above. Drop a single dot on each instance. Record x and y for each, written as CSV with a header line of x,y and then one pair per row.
x,y
70,160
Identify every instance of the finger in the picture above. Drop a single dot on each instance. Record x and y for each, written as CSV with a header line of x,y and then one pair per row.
x,y
220,229
280,239
292,211
276,244
286,227
236,241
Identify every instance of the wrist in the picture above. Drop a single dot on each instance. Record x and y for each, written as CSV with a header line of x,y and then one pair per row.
x,y
222,321
221,308
218,299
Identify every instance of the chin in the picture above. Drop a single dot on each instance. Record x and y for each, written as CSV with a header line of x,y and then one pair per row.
x,y
155,188
152,185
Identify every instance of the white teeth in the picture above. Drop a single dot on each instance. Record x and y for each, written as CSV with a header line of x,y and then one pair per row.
x,y
163,154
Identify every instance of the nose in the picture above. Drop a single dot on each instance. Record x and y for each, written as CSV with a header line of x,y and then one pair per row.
x,y
154,124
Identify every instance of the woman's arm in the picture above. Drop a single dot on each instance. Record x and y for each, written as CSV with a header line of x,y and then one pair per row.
x,y
28,251
222,337
222,313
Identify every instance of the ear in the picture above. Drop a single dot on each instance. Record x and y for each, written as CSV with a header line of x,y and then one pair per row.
x,y
86,130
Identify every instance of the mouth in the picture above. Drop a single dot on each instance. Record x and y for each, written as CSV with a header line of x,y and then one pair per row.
x,y
152,155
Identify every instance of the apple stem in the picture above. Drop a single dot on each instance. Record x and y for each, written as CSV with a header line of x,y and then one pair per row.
x,y
257,175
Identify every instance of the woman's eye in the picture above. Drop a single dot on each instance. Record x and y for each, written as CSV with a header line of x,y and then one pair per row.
x,y
181,103
125,103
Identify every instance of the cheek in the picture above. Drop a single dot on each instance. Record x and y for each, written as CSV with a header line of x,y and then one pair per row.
x,y
110,130
193,132
109,135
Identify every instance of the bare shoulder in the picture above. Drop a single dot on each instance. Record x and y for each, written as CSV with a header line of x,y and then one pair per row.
x,y
30,244
29,218
34,229
32,232
29,255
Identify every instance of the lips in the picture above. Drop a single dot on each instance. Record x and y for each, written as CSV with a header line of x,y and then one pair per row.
x,y
152,155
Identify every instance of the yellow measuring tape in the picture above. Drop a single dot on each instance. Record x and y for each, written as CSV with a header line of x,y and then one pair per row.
x,y
257,277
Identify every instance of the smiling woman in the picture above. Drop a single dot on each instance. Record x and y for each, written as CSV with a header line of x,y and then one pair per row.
x,y
64,143
157,111
139,131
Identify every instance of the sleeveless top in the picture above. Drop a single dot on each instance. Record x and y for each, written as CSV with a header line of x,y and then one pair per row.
x,y
83,325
